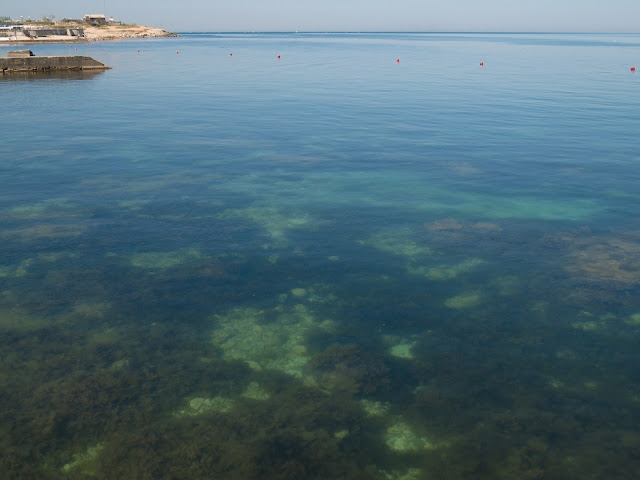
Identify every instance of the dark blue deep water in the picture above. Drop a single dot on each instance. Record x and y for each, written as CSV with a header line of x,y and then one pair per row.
x,y
370,258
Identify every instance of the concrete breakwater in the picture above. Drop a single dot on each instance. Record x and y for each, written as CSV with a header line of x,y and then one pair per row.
x,y
25,61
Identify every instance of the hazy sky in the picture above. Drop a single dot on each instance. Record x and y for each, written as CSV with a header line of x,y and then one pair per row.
x,y
351,15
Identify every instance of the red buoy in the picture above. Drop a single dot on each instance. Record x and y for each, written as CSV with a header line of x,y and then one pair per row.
x,y
397,60
230,54
177,52
482,64
633,69
138,50
278,56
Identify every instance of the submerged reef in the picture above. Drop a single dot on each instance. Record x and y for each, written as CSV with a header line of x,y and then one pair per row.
x,y
401,438
49,220
276,340
400,347
169,364
244,334
453,227
165,260
446,271
610,261
273,221
402,242
422,254
464,300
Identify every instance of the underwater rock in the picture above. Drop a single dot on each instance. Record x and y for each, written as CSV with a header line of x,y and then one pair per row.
x,y
610,260
566,354
400,438
46,210
453,225
255,366
275,224
587,326
446,224
400,242
164,260
200,405
446,272
406,243
375,408
255,392
402,350
119,364
633,320
317,293
410,474
399,347
464,300
555,383
22,268
84,463
341,434
46,231
243,334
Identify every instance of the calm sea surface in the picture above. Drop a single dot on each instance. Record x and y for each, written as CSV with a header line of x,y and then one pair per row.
x,y
368,258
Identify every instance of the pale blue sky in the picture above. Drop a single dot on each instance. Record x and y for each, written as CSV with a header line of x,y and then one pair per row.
x,y
352,15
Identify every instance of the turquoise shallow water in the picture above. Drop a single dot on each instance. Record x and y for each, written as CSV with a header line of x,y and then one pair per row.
x,y
333,264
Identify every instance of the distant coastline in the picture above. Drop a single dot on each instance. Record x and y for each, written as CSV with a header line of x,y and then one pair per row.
x,y
102,33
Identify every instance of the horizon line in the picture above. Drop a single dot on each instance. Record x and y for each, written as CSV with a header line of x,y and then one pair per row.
x,y
496,32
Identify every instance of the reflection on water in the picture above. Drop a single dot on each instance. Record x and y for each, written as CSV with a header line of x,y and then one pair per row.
x,y
64,75
194,298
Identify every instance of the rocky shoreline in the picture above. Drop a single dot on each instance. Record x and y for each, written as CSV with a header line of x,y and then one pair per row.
x,y
100,34
92,34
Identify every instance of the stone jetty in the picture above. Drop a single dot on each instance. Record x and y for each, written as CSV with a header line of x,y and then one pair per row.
x,y
25,61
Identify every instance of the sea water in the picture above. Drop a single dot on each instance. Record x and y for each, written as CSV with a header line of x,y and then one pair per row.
x,y
323,256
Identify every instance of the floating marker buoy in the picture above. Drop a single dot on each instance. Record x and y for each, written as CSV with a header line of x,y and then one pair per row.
x,y
397,60
482,64
138,50
177,52
278,56
633,69
230,54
